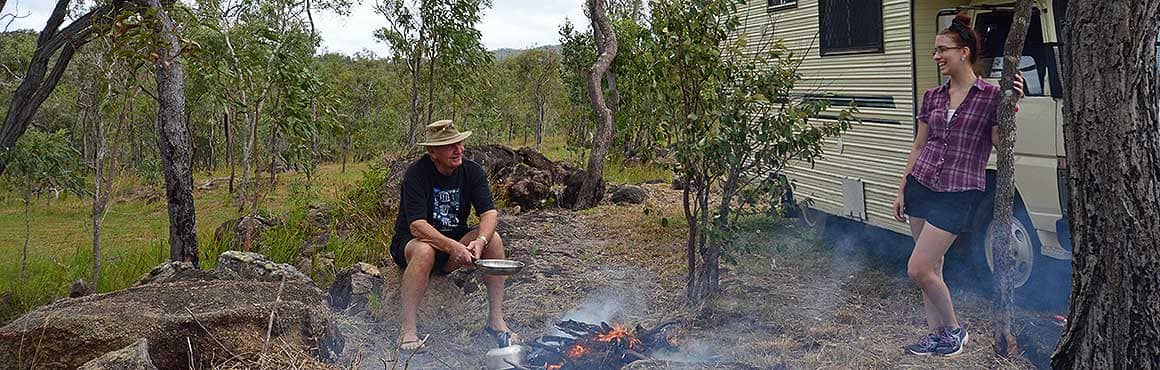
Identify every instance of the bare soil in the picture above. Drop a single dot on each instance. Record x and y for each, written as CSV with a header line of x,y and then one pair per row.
x,y
790,298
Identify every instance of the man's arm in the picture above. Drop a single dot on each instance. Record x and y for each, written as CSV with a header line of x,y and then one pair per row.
x,y
423,231
487,223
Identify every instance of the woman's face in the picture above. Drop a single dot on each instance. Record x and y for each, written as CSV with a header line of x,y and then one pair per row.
x,y
950,56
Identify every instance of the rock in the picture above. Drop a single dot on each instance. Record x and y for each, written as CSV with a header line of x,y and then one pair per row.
x,y
232,233
536,160
653,182
444,298
5,301
353,289
497,160
314,244
172,271
514,210
72,332
320,215
679,183
572,190
78,289
629,194
235,265
133,357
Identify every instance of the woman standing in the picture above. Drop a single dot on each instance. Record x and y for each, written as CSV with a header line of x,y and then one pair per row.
x,y
946,176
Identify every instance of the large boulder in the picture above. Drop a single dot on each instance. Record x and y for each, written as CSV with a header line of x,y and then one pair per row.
x,y
572,190
235,265
232,233
629,194
231,265
133,357
354,288
218,319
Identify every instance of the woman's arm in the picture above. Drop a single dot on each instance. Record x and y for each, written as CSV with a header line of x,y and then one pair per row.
x,y
920,138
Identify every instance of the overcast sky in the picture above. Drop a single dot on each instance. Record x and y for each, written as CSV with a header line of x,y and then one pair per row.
x,y
516,24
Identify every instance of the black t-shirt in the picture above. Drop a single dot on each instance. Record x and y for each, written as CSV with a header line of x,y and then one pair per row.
x,y
444,201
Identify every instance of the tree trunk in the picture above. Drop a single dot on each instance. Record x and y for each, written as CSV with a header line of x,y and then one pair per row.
x,y
431,79
593,176
1002,307
212,144
229,146
27,229
1112,136
174,141
416,71
36,86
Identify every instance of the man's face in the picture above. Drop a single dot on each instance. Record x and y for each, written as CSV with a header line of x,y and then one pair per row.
x,y
447,156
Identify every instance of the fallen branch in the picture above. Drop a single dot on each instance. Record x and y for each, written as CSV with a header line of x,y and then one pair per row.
x,y
422,343
270,324
211,336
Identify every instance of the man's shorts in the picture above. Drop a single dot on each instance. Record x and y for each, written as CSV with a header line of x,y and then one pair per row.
x,y
398,248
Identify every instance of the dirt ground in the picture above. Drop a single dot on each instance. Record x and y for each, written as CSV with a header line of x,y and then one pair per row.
x,y
789,298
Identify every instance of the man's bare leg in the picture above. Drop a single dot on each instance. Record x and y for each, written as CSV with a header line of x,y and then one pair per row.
x,y
494,283
420,260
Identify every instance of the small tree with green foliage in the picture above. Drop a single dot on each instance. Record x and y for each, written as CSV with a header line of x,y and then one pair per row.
x,y
735,122
39,163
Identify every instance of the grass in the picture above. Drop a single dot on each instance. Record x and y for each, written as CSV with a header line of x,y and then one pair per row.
x,y
136,230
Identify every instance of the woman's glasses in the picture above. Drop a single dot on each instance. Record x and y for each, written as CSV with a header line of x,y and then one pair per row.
x,y
943,49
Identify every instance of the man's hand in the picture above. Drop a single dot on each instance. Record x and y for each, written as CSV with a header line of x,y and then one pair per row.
x,y
476,247
461,255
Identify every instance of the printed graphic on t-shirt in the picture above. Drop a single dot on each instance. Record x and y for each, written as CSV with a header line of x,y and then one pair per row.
x,y
446,208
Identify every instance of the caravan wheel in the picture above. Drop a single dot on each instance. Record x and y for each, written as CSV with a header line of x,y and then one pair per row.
x,y
1024,249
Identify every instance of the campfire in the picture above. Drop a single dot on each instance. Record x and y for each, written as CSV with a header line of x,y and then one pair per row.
x,y
588,346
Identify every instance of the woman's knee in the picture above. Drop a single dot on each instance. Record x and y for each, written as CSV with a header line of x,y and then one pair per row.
x,y
921,274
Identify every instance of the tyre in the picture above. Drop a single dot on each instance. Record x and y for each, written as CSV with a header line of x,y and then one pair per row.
x,y
1040,282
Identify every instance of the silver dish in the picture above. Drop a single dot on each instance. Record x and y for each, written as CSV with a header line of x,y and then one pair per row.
x,y
498,266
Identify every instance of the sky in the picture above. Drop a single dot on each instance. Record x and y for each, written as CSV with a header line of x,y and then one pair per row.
x,y
515,24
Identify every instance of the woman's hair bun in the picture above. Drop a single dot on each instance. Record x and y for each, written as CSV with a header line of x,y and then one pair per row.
x,y
962,19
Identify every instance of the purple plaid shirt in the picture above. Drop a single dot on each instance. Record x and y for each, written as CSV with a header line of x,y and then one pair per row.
x,y
955,156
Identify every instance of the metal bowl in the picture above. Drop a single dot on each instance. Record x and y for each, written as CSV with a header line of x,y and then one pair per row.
x,y
498,266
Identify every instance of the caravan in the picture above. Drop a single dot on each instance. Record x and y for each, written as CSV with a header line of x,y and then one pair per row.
x,y
875,54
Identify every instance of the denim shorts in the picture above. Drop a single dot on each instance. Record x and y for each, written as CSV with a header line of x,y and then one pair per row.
x,y
953,212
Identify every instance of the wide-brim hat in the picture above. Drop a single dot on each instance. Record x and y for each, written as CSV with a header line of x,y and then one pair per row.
x,y
443,132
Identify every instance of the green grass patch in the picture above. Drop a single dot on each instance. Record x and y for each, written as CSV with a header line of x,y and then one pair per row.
x,y
136,230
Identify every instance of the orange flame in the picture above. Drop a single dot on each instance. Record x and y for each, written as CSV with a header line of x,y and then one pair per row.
x,y
621,333
577,351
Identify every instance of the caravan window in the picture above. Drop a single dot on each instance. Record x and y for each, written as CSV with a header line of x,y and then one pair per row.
x,y
782,4
1038,59
850,26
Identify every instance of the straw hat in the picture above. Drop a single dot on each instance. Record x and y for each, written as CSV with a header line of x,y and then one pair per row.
x,y
442,133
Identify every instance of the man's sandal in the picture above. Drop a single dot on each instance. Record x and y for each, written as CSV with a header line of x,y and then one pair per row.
x,y
413,345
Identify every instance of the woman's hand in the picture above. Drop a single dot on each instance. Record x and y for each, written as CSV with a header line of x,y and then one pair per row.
x,y
1018,85
899,205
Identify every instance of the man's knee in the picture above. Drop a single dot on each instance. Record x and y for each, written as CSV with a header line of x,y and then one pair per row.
x,y
420,254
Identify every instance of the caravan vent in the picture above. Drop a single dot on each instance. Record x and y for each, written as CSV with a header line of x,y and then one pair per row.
x,y
854,199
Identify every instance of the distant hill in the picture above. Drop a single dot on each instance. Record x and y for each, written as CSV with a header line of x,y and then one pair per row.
x,y
501,54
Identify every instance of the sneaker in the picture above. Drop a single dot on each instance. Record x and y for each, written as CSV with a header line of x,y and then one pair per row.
x,y
926,345
962,334
951,341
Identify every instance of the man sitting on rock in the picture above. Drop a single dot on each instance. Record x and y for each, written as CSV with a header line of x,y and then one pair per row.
x,y
431,233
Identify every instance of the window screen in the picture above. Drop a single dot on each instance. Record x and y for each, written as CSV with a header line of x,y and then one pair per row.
x,y
850,26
